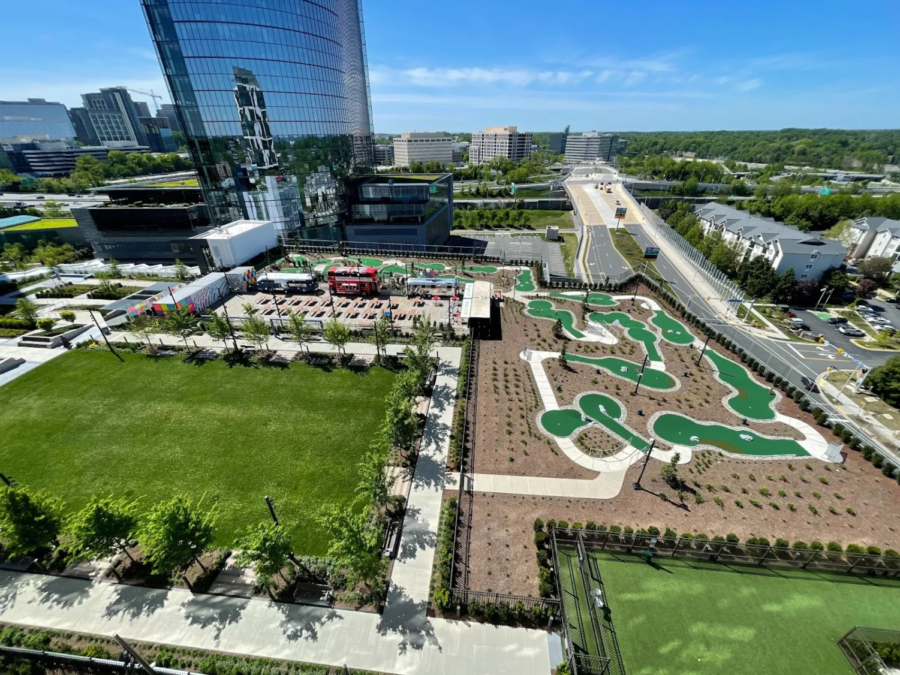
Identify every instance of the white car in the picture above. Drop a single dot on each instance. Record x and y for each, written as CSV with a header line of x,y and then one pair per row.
x,y
884,328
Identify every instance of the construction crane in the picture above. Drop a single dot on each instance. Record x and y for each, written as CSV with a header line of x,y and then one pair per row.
x,y
151,94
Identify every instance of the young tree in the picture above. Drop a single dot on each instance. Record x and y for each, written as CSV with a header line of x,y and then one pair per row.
x,y
182,323
29,520
884,381
558,330
337,334
256,330
267,547
866,288
144,326
67,315
181,271
26,309
301,331
563,360
219,328
876,269
669,472
175,533
374,485
46,323
356,541
112,269
102,528
382,333
400,425
784,288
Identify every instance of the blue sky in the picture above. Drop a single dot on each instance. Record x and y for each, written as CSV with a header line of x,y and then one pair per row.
x,y
464,65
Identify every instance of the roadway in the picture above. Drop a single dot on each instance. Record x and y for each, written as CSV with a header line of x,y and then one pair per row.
x,y
601,258
38,201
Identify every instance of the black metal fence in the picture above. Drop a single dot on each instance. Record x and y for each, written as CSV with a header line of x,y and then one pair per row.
x,y
524,604
738,553
75,663
461,545
861,647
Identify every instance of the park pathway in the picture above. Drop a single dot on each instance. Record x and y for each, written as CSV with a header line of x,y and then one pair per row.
x,y
403,640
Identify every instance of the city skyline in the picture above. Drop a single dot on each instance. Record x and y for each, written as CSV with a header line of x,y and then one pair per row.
x,y
662,69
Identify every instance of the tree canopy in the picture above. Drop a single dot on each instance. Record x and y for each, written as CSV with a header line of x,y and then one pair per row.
x,y
28,520
884,381
175,533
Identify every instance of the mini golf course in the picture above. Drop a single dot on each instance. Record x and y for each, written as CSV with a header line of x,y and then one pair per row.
x,y
681,430
544,309
752,400
652,379
594,299
672,330
635,329
600,408
525,282
486,269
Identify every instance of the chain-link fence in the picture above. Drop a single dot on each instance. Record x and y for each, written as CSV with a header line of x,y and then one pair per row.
x,y
872,651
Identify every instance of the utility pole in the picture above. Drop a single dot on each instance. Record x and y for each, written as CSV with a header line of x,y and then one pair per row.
x,y
637,484
118,356
702,351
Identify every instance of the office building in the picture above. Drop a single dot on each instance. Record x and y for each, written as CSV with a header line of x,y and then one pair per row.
x,y
459,147
404,209
591,146
84,128
785,247
158,134
384,155
114,117
558,142
145,224
421,148
506,142
143,109
49,159
276,117
35,119
168,111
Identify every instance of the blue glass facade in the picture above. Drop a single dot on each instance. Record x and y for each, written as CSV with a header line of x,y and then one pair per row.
x,y
35,118
273,99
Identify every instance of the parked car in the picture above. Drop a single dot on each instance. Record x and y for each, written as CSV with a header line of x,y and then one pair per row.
x,y
884,328
891,300
850,331
809,385
836,320
878,321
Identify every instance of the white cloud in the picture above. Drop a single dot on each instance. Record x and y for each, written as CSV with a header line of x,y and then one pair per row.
x,y
724,79
749,85
450,77
634,77
604,76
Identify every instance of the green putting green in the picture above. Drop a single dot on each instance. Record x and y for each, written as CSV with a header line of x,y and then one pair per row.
x,y
370,262
486,269
594,299
672,330
679,430
544,309
437,267
753,399
598,407
687,617
637,331
653,379
524,282
392,269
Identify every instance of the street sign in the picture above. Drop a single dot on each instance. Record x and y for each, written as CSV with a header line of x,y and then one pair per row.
x,y
620,212
651,253
825,191
433,188
512,188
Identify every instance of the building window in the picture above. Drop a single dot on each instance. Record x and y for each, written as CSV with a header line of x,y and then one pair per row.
x,y
803,276
809,267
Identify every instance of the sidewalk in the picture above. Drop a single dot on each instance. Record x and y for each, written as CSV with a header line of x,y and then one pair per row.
x,y
404,640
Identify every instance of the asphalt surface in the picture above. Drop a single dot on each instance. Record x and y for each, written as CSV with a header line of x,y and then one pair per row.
x,y
602,258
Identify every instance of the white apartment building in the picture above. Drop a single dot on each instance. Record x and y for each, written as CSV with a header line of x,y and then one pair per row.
x,y
783,246
422,147
499,142
871,237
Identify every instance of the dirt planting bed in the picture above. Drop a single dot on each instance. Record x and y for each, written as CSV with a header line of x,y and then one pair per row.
x,y
502,555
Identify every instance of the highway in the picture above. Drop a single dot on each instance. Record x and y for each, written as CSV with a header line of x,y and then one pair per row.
x,y
601,258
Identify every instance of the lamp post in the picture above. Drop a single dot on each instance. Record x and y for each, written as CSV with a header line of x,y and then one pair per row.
x,y
105,339
641,374
637,484
702,351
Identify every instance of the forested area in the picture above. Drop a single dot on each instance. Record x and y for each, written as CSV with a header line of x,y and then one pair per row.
x,y
822,148
820,212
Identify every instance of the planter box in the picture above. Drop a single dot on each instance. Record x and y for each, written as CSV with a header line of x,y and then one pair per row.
x,y
36,340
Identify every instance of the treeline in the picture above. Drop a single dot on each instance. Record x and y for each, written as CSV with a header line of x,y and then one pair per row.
x,y
822,148
665,168
820,212
487,219
90,172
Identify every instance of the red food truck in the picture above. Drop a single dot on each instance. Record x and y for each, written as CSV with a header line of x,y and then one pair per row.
x,y
353,280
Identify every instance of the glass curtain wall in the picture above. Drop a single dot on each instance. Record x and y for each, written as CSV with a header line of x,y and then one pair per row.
x,y
273,99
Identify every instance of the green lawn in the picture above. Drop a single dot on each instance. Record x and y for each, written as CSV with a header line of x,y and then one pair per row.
x,y
44,224
541,219
188,182
85,424
685,618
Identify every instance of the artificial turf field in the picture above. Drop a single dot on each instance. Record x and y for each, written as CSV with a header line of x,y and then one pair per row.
x,y
85,424
688,618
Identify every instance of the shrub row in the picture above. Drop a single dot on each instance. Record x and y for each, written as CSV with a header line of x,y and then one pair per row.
x,y
459,415
445,550
9,322
68,291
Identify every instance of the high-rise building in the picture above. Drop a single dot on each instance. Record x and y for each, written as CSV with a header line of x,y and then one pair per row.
x,y
384,155
422,147
114,117
277,115
168,111
159,135
35,118
84,127
143,109
591,146
558,142
506,142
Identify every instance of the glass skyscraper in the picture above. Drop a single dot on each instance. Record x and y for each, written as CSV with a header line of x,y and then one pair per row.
x,y
273,99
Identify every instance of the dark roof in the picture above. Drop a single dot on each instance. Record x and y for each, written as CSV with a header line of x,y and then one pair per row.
x,y
876,223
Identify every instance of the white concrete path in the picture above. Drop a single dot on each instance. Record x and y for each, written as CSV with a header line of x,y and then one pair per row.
x,y
403,640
